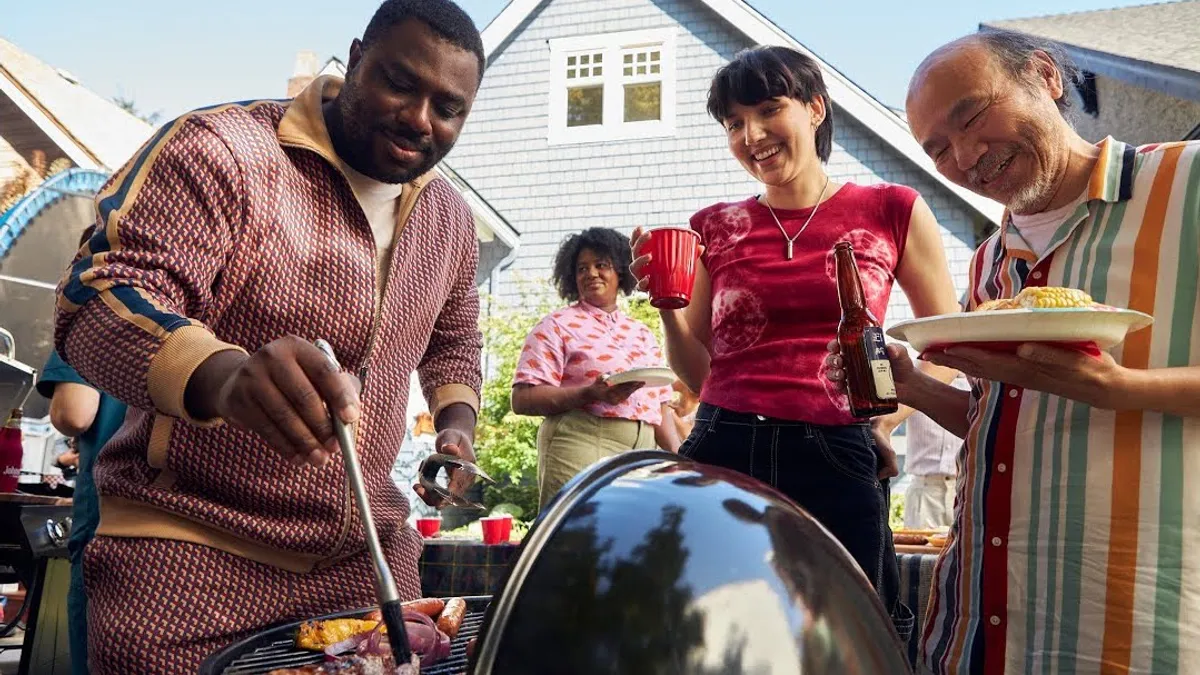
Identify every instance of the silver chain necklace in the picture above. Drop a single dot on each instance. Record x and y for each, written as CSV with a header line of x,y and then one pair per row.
x,y
792,240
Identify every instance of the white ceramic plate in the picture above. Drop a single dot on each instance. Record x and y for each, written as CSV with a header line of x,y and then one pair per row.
x,y
1106,327
651,377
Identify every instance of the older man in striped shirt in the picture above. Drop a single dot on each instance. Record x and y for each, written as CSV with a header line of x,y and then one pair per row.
x,y
1076,540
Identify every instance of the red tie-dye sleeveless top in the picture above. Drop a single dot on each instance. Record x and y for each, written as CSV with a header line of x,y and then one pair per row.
x,y
772,317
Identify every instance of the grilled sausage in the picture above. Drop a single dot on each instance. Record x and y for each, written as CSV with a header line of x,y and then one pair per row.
x,y
430,607
909,539
452,617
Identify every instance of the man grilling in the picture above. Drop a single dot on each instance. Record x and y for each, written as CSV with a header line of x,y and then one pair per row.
x,y
235,237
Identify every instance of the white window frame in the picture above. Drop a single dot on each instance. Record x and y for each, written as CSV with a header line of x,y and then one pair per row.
x,y
614,127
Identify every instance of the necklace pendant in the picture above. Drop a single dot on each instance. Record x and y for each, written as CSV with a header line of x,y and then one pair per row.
x,y
789,249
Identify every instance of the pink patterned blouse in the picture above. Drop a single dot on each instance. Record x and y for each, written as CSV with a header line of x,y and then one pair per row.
x,y
574,345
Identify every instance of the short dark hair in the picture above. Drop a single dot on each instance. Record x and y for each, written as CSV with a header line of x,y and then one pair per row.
x,y
1014,50
446,19
761,73
605,242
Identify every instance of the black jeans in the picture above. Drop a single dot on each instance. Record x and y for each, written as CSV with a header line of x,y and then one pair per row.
x,y
832,472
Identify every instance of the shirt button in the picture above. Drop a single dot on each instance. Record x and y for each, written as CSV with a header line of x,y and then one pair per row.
x,y
996,541
994,620
1002,467
1036,275
1013,393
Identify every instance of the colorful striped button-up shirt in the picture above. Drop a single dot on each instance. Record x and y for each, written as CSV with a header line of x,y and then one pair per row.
x,y
1076,540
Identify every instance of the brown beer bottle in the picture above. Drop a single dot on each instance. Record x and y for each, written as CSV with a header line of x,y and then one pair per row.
x,y
864,356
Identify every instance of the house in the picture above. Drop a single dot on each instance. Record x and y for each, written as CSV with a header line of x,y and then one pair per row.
x,y
498,240
59,142
592,112
1141,68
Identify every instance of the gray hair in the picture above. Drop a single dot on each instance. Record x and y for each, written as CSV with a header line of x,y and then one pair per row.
x,y
1014,50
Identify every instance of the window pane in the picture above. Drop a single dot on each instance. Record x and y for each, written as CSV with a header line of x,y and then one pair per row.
x,y
643,102
570,74
570,60
629,58
628,71
584,59
597,71
641,57
641,70
653,56
598,58
655,69
585,106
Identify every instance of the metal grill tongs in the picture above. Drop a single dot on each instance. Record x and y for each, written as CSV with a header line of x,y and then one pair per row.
x,y
432,466
385,585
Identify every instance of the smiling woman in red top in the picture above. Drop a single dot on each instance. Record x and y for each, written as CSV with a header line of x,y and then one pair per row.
x,y
765,305
562,369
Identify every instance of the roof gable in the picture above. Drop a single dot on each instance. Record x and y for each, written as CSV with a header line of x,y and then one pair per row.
x,y
92,131
848,96
1155,47
1165,34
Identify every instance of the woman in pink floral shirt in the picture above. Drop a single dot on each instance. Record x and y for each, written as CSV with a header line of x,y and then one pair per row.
x,y
562,369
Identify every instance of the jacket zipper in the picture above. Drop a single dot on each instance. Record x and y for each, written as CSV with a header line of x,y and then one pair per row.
x,y
408,199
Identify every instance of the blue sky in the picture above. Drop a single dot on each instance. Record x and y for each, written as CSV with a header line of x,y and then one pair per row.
x,y
198,53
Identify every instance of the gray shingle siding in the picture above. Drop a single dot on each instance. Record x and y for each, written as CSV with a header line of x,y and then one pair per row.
x,y
548,191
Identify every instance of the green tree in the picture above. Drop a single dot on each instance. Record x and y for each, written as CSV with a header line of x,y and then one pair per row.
x,y
130,106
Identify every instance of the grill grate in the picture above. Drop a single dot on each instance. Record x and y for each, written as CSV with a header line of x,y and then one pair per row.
x,y
276,648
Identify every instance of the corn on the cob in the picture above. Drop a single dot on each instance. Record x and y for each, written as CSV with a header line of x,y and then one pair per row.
x,y
1039,297
317,635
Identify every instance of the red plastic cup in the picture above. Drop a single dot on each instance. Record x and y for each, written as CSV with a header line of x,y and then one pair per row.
x,y
428,526
496,529
672,268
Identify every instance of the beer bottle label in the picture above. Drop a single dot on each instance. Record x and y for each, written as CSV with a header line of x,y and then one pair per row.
x,y
877,361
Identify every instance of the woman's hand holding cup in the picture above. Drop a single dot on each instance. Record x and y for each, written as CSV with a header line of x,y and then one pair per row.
x,y
664,264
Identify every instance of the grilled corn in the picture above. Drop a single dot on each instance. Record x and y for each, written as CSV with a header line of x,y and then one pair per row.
x,y
1039,297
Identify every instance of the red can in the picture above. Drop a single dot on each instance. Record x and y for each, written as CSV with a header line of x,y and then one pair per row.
x,y
11,452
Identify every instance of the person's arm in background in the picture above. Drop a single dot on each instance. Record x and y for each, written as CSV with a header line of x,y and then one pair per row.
x,y
73,408
73,402
666,433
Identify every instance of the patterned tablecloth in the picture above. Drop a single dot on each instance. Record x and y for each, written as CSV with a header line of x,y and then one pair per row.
x,y
451,567
456,567
916,577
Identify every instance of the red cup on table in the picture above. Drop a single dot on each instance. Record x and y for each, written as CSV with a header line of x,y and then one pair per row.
x,y
429,526
496,529
672,269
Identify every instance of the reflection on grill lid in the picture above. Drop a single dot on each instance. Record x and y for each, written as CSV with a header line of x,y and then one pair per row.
x,y
651,563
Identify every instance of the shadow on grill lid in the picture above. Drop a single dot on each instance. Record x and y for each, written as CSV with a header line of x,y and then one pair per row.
x,y
650,563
